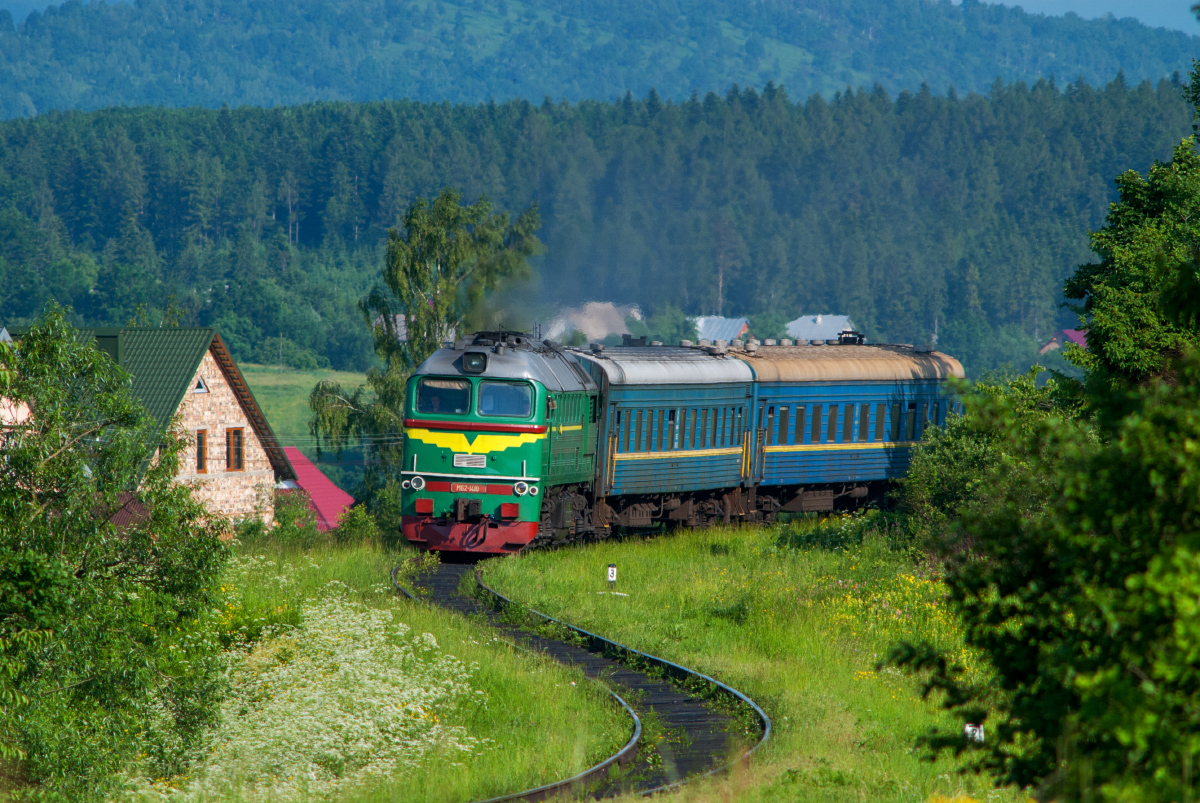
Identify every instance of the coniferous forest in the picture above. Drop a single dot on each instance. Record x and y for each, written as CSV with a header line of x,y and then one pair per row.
x,y
213,52
910,213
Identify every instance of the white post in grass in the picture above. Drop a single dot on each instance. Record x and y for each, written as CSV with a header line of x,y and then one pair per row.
x,y
612,577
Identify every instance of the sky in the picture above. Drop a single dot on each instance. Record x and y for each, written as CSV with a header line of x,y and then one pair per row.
x,y
1157,13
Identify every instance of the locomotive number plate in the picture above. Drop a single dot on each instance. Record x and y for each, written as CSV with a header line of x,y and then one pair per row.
x,y
465,488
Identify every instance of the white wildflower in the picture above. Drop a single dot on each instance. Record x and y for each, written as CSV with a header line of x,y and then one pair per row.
x,y
319,708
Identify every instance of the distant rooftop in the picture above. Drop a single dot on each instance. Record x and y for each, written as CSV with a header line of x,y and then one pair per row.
x,y
818,327
714,328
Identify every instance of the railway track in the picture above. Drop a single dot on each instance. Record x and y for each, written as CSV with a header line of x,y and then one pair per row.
x,y
699,738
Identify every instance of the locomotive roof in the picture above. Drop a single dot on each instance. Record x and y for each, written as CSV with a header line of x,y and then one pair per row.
x,y
848,363
521,357
665,365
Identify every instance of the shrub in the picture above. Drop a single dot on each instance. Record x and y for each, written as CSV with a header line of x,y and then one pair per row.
x,y
356,526
106,646
838,533
295,519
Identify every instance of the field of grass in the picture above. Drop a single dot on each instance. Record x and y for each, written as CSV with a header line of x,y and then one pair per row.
x,y
340,689
798,629
283,397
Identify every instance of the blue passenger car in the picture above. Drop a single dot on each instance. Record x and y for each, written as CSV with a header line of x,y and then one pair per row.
x,y
834,420
677,436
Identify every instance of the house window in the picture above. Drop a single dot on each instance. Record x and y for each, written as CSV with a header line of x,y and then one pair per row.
x,y
202,451
234,450
199,387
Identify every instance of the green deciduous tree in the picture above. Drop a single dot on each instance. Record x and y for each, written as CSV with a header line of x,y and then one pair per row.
x,y
108,573
1084,601
1153,228
436,278
1081,576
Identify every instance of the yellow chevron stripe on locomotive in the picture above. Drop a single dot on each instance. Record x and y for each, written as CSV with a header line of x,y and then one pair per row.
x,y
473,443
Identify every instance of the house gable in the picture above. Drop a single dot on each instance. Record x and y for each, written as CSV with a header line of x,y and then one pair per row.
x,y
226,461
164,365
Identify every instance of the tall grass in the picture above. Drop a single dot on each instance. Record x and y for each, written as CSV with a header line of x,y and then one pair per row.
x,y
798,628
340,690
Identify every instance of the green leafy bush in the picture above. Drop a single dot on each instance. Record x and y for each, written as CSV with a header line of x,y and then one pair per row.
x,y
357,526
108,573
839,533
969,463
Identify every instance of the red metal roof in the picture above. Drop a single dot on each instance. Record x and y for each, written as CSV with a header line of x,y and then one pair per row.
x,y
328,500
1076,336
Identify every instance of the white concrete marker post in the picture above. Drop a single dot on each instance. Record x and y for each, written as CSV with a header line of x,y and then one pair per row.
x,y
612,577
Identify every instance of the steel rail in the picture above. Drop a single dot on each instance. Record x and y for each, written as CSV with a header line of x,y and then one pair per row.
x,y
681,673
621,757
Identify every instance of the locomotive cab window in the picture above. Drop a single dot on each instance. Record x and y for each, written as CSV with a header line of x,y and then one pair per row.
x,y
443,396
505,398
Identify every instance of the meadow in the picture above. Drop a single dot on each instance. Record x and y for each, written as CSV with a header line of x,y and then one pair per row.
x,y
339,689
797,627
283,397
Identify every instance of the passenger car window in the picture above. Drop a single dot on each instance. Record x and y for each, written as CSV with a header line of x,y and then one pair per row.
x,y
443,396
506,398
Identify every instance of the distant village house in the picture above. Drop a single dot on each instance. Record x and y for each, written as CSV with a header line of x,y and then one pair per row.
x,y
1062,337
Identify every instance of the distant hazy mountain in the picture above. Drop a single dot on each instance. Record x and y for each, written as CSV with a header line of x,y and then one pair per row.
x,y
267,52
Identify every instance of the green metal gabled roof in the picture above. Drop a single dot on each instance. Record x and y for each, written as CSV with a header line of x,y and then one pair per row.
x,y
162,362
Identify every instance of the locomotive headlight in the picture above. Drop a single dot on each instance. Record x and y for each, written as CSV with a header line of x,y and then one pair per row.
x,y
418,483
406,485
520,488
533,491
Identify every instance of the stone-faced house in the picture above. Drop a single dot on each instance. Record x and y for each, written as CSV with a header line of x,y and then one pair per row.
x,y
233,457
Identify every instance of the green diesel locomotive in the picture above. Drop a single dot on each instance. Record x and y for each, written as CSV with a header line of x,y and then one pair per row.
x,y
491,425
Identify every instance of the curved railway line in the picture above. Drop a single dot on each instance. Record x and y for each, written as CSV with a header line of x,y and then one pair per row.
x,y
699,738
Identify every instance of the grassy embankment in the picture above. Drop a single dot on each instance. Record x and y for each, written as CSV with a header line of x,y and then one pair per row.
x,y
283,396
342,690
798,629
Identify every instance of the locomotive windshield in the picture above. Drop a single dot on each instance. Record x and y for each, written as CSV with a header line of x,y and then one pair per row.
x,y
505,398
443,396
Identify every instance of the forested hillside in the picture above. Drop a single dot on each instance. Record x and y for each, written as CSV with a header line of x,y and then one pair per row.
x,y
962,212
214,52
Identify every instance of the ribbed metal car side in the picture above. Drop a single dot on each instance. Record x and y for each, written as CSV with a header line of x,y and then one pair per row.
x,y
845,413
674,420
